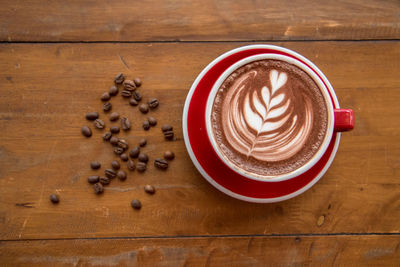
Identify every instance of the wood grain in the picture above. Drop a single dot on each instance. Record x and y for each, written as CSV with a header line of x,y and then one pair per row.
x,y
45,90
124,20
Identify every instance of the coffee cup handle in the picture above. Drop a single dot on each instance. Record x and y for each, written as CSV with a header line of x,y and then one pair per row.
x,y
344,120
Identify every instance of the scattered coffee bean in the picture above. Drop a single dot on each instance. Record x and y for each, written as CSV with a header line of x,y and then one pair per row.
x,y
146,125
169,135
144,108
95,165
107,136
153,103
129,85
123,144
114,140
93,179
134,153
133,102
98,188
107,107
114,129
143,157
86,131
115,165
161,164
136,204
125,124
131,165
119,78
138,82
92,116
118,150
54,198
113,90
114,116
137,96
124,157
104,180
149,189
121,175
152,121
110,173
141,166
99,124
126,93
142,142
105,96
169,155
166,127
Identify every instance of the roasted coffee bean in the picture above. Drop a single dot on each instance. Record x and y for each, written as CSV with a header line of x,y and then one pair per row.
x,y
137,96
114,129
152,121
166,127
149,189
169,135
126,93
142,142
54,198
161,164
136,204
99,124
86,131
104,180
114,116
110,173
115,165
169,155
134,153
105,96
141,166
123,143
131,165
153,103
98,188
113,90
138,82
133,102
93,179
119,78
146,125
121,175
107,136
129,85
118,150
92,116
143,157
125,124
107,106
95,165
124,157
144,108
114,140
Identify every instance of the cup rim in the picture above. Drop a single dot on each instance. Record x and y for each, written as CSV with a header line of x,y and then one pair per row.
x,y
324,90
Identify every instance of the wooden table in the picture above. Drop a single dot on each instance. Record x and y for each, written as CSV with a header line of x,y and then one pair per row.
x,y
58,57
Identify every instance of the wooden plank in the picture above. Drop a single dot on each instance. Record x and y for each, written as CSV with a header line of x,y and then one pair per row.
x,y
207,251
47,88
124,20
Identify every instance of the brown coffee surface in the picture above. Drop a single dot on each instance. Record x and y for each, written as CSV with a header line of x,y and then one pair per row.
x,y
269,118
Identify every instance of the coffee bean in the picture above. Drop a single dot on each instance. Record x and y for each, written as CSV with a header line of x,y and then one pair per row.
x,y
126,93
169,135
125,124
138,82
136,204
149,189
119,78
129,85
99,124
118,150
123,144
124,157
161,164
152,121
169,155
104,180
115,165
134,153
105,96
92,116
114,116
114,129
98,188
166,127
121,175
107,136
86,131
141,166
146,125
142,142
137,96
153,103
107,107
113,90
54,198
144,108
93,179
133,102
131,165
95,165
114,140
143,157
110,173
